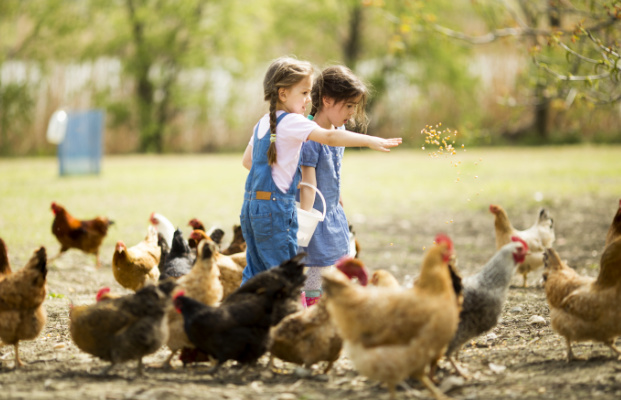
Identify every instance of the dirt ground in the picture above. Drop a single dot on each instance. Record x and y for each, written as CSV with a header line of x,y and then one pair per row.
x,y
514,360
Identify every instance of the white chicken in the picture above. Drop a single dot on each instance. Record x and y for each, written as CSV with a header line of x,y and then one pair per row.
x,y
539,237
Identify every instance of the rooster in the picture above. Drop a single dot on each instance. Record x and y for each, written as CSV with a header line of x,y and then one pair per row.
x,y
484,295
135,266
72,233
583,308
391,333
538,237
22,315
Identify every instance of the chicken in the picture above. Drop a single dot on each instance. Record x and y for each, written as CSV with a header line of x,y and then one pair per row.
x,y
615,227
163,226
202,284
72,233
390,334
584,308
538,237
239,328
216,234
179,259
138,265
125,328
231,267
383,278
22,315
484,295
5,265
238,244
309,336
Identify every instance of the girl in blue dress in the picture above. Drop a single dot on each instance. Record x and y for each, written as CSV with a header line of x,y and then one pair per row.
x,y
338,98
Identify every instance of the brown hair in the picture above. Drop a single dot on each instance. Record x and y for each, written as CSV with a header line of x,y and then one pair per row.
x,y
283,72
340,84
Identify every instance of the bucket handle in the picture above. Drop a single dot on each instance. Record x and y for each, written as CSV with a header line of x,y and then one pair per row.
x,y
323,200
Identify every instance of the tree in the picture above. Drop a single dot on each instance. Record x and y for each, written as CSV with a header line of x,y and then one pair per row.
x,y
574,46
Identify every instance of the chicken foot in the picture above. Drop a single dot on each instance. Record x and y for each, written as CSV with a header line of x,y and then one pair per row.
x,y
458,369
435,392
167,364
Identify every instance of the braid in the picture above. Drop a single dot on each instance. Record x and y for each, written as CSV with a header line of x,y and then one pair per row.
x,y
317,95
271,152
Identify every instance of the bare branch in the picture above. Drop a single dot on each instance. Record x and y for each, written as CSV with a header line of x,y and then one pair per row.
x,y
570,78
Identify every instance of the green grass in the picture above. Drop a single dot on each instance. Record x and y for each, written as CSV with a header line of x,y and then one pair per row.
x,y
210,187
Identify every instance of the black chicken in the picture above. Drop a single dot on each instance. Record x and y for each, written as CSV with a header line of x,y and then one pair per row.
x,y
239,328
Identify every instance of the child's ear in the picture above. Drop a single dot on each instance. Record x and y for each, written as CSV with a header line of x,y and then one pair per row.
x,y
282,95
327,101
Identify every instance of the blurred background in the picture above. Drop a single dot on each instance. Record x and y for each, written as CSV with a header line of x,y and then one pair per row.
x,y
186,76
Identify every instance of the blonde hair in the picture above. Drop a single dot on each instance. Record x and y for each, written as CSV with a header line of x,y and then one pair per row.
x,y
340,84
283,72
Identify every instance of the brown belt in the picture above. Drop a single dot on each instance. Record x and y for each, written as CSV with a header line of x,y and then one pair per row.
x,y
263,195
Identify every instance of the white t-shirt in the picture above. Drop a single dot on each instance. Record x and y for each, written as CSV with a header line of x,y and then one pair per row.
x,y
291,132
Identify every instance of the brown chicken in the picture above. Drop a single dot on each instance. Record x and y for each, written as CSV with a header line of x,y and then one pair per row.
x,y
538,237
583,308
309,336
136,266
231,267
5,265
125,328
614,231
383,278
22,316
203,284
391,334
72,233
238,244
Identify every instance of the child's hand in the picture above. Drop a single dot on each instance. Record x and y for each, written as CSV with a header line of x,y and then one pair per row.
x,y
381,144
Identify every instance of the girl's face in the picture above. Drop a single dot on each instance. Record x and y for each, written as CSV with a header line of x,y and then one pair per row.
x,y
340,113
294,99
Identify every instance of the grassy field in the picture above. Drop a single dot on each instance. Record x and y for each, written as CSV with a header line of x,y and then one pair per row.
x,y
401,185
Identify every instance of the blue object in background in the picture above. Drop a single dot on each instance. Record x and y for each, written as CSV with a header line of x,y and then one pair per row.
x,y
80,150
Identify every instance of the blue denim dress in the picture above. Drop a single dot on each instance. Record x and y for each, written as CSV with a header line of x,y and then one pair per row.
x,y
331,238
269,219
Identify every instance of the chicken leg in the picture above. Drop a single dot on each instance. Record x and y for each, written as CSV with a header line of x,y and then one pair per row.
x,y
18,362
436,393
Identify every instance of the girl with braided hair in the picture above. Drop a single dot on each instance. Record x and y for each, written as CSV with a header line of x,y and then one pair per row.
x,y
269,215
338,99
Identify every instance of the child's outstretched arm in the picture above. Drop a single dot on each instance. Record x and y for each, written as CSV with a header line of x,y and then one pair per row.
x,y
340,137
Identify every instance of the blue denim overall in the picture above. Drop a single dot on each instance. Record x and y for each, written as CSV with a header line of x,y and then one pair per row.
x,y
269,219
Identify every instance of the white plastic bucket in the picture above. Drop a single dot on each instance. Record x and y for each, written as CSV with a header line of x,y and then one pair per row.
x,y
308,220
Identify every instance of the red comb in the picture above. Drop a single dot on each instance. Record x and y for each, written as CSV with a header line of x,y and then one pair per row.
x,y
443,238
518,239
102,292
179,293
